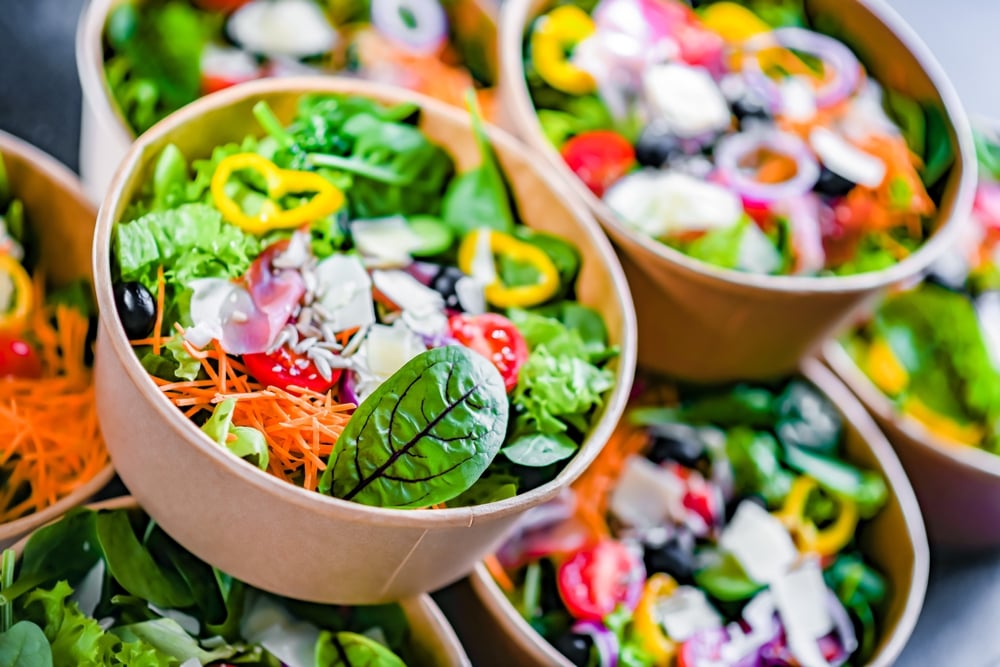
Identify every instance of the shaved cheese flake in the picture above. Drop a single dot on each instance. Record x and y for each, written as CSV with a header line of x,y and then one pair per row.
x,y
345,291
844,158
646,495
407,292
759,542
390,240
686,612
801,599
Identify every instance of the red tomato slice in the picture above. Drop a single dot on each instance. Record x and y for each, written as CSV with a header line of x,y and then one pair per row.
x,y
285,368
496,338
18,358
220,5
599,158
595,580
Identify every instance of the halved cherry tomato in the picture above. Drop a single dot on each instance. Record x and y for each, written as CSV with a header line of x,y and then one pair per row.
x,y
700,496
595,580
18,358
599,158
284,368
496,338
220,5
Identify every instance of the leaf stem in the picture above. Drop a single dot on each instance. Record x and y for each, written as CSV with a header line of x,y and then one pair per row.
x,y
262,112
358,167
6,581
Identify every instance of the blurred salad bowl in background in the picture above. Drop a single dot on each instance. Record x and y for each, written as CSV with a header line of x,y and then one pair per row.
x,y
755,524
763,167
926,362
52,456
106,586
366,299
140,60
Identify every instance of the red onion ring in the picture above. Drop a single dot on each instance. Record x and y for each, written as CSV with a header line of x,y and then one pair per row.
x,y
605,641
833,53
733,148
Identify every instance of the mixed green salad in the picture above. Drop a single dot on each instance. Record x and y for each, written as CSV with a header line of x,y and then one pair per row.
x,y
935,349
162,54
716,529
111,588
743,134
337,306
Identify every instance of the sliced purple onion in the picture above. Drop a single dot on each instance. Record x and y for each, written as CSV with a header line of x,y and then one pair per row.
x,y
834,55
419,26
731,150
423,272
604,640
803,215
636,582
347,393
846,638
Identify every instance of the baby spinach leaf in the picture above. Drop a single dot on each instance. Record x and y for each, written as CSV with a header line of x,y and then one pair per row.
x,y
425,435
25,645
479,197
134,567
347,649
489,488
540,449
67,549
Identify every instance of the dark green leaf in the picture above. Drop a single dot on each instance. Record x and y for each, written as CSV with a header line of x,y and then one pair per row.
x,y
425,435
489,488
865,488
25,645
540,449
134,567
807,419
347,649
753,456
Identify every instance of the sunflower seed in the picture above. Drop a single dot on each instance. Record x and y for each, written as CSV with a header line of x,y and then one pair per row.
x,y
305,344
323,366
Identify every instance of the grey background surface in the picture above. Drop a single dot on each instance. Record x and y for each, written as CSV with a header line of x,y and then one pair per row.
x,y
960,624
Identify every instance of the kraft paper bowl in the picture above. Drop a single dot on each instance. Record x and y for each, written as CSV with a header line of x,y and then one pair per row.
x,y
105,136
57,209
214,504
727,324
958,486
894,541
433,640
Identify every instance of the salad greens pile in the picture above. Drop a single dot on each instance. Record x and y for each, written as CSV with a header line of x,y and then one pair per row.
x,y
745,134
714,531
934,349
341,261
111,588
163,54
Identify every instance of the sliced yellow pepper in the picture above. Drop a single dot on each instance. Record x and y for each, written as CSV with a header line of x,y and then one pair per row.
x,y
654,640
732,22
556,33
327,199
885,369
22,296
942,426
808,537
506,296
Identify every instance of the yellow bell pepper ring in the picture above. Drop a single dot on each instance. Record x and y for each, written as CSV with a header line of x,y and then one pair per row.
x,y
554,35
808,537
654,640
20,295
327,197
512,296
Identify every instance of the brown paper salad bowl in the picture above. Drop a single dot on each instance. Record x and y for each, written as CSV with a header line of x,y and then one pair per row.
x,y
171,608
138,60
670,123
678,596
391,512
48,224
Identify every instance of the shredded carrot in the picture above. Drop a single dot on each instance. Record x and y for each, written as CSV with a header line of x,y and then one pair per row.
x,y
50,441
160,303
499,574
300,426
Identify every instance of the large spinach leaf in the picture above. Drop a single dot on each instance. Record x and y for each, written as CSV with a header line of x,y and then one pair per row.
x,y
347,649
425,435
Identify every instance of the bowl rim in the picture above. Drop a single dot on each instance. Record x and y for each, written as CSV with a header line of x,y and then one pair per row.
x,y
841,363
69,186
117,344
514,18
520,632
421,604
97,94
